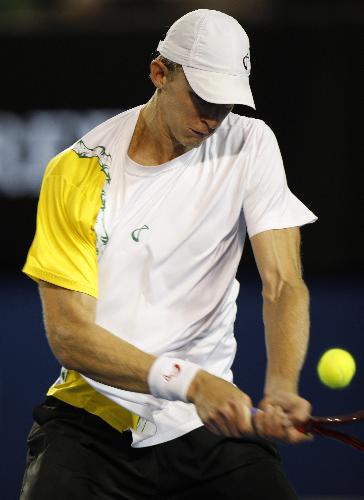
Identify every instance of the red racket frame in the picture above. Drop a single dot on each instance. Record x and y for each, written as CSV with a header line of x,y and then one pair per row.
x,y
323,426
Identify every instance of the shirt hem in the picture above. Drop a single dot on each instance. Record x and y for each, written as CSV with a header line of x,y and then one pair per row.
x,y
168,436
281,225
39,274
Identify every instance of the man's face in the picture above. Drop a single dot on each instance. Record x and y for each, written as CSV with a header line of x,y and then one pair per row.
x,y
189,119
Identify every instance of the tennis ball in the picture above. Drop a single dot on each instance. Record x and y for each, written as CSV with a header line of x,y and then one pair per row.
x,y
336,368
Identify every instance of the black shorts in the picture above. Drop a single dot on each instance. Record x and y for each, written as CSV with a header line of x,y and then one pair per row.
x,y
74,455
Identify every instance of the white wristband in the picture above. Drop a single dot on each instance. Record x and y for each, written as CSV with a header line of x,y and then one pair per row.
x,y
170,378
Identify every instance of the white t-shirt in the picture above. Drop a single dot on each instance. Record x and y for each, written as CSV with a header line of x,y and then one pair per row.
x,y
175,236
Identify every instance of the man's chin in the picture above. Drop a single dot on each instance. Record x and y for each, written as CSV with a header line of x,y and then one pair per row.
x,y
189,142
193,141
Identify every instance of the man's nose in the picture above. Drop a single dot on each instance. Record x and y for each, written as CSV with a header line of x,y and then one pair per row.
x,y
213,115
212,123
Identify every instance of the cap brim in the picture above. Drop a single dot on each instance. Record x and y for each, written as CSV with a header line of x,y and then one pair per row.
x,y
219,88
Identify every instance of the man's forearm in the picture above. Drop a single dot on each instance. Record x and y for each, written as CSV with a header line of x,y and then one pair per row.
x,y
97,354
286,321
81,345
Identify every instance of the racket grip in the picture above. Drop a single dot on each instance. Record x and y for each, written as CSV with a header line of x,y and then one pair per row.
x,y
254,411
304,428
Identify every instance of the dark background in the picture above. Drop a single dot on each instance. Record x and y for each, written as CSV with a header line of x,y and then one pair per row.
x,y
306,59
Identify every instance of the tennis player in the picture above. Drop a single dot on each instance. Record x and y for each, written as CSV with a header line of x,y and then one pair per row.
x,y
140,230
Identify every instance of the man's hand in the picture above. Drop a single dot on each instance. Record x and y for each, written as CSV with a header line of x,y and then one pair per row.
x,y
222,407
282,411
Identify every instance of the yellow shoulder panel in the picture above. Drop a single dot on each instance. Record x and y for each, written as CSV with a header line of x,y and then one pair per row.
x,y
63,251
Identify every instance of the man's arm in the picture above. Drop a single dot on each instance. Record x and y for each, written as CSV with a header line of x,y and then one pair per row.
x,y
81,345
285,306
286,318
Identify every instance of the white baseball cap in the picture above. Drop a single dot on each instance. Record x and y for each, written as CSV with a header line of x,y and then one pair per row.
x,y
213,50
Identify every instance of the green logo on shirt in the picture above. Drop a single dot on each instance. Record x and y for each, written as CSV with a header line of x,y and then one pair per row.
x,y
135,234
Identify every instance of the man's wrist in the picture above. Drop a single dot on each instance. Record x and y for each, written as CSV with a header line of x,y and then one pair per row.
x,y
278,383
170,378
195,385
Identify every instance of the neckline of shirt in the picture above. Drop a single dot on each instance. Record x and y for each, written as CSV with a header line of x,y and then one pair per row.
x,y
135,168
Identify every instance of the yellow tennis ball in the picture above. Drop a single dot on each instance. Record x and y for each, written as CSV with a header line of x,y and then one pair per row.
x,y
336,368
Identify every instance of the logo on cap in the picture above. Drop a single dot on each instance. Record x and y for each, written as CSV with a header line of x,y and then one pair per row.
x,y
246,62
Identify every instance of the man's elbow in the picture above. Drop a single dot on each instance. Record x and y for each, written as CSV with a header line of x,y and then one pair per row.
x,y
61,343
279,287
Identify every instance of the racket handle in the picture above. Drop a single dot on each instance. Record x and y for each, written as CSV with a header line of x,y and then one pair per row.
x,y
304,428
254,411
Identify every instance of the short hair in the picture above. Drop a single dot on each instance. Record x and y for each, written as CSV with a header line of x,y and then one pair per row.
x,y
172,66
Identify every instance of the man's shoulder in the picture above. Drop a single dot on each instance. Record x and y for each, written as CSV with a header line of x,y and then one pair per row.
x,y
244,132
78,167
246,124
92,152
105,134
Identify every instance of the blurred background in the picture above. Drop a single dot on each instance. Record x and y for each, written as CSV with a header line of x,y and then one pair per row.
x,y
67,65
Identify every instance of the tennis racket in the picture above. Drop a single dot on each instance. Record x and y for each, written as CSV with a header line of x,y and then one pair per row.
x,y
326,426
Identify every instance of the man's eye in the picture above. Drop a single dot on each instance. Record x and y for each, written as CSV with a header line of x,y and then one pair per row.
x,y
227,107
198,98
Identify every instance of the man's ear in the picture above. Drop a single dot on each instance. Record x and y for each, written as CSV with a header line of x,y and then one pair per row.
x,y
158,73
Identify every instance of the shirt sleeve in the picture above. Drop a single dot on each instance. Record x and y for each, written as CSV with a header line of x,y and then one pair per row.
x,y
63,251
268,202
